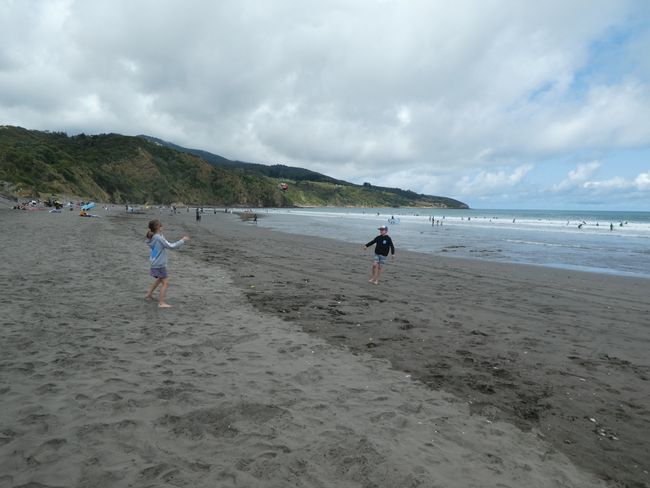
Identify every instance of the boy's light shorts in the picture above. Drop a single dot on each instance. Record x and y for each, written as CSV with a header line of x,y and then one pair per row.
x,y
381,260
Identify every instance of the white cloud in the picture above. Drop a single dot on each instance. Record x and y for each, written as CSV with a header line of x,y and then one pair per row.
x,y
640,183
486,183
578,176
581,187
610,116
616,183
425,93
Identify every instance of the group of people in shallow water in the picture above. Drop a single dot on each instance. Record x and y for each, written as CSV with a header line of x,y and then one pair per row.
x,y
583,223
158,246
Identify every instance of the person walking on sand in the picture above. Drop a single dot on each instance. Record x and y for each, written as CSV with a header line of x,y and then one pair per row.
x,y
383,244
158,260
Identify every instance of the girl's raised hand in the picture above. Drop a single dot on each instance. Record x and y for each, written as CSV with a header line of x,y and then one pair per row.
x,y
185,238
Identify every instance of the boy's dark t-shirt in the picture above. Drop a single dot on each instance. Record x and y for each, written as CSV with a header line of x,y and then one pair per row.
x,y
384,244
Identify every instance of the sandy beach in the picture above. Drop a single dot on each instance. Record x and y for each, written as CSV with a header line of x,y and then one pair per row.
x,y
279,365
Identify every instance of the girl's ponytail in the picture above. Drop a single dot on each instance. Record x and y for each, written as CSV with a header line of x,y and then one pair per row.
x,y
154,226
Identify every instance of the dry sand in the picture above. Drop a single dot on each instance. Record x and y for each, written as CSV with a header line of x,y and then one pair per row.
x,y
280,366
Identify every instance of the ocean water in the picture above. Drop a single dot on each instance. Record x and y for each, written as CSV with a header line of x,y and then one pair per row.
x,y
596,241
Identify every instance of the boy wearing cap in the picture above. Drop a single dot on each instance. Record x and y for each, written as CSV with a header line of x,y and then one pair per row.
x,y
383,244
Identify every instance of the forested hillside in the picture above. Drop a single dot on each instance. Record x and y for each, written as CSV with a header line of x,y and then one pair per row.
x,y
117,169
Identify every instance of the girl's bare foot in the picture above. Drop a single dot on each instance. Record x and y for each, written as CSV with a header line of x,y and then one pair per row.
x,y
148,297
164,305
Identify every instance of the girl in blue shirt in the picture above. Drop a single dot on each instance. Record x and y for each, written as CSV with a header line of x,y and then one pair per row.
x,y
158,260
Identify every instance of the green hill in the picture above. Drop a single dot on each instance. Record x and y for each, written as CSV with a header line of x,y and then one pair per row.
x,y
307,191
115,168
279,171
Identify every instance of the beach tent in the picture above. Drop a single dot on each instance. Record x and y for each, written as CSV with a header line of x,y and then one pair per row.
x,y
89,206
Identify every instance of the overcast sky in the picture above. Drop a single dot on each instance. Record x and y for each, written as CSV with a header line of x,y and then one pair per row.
x,y
501,104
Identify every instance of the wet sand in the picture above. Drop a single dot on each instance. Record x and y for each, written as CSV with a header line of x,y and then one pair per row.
x,y
279,365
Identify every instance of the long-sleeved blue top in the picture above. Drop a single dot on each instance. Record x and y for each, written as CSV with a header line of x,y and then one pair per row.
x,y
159,246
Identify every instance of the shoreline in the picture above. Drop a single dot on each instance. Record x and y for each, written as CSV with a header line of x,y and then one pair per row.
x,y
500,252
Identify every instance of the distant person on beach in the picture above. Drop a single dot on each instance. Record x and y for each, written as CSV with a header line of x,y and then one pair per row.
x,y
158,260
198,215
383,244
